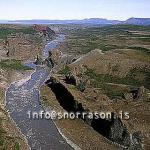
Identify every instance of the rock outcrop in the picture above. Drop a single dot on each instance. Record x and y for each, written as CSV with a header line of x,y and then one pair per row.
x,y
45,30
113,129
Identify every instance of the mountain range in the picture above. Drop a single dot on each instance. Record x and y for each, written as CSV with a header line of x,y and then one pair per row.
x,y
91,21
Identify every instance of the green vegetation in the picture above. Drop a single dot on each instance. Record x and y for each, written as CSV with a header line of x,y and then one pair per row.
x,y
132,79
16,146
81,86
12,64
1,94
66,70
107,38
114,91
2,132
98,79
4,32
142,49
33,37
5,140
141,75
44,100
127,27
38,40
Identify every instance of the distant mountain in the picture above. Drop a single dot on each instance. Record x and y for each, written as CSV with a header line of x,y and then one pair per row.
x,y
99,21
91,21
138,21
84,21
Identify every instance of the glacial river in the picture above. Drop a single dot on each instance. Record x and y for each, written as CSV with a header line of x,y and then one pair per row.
x,y
41,134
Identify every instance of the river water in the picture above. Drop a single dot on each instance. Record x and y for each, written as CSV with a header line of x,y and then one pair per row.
x,y
41,134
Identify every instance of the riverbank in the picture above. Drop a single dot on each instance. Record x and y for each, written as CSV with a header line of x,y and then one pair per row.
x,y
10,136
27,92
16,46
76,130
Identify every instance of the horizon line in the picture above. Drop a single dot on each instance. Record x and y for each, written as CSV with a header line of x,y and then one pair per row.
x,y
72,19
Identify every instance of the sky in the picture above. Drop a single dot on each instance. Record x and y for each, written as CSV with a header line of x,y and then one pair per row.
x,y
73,9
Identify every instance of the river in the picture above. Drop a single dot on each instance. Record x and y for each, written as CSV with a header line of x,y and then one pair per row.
x,y
41,134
